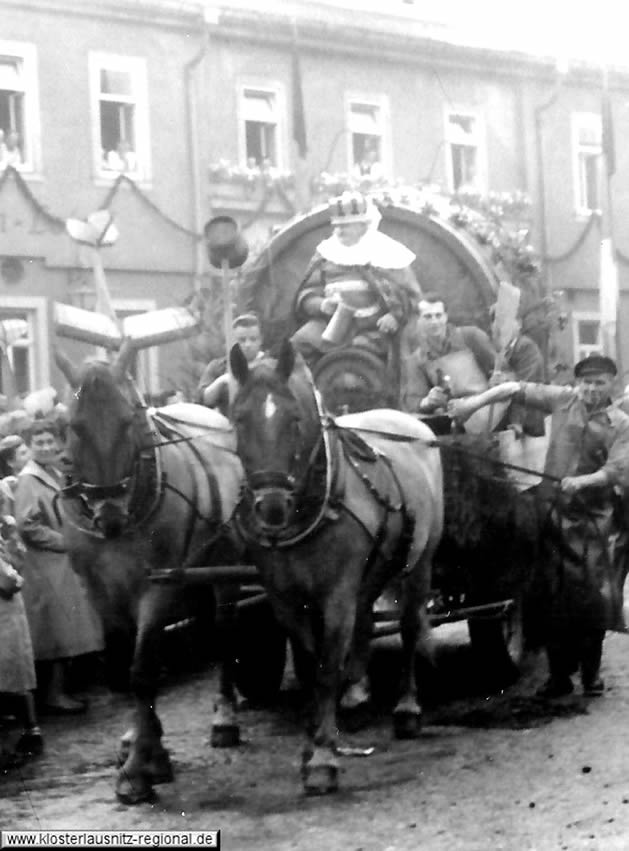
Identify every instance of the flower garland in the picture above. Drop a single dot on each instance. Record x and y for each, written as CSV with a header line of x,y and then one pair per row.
x,y
251,175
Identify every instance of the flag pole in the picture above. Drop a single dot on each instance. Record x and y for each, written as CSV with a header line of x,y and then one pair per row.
x,y
607,222
302,200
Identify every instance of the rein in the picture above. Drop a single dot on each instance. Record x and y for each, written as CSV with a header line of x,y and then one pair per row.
x,y
438,444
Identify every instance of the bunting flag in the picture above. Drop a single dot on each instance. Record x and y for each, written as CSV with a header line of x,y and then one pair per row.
x,y
609,147
299,116
608,298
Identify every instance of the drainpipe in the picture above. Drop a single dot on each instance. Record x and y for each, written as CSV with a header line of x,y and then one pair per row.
x,y
539,153
193,151
561,69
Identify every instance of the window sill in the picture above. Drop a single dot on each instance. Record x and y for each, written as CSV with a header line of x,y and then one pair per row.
x,y
236,196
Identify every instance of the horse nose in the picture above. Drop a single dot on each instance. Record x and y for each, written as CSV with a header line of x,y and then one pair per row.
x,y
273,509
110,519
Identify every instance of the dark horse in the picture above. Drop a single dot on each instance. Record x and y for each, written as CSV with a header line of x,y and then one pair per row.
x,y
333,509
148,491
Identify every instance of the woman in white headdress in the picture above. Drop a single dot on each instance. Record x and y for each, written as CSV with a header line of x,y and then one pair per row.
x,y
359,288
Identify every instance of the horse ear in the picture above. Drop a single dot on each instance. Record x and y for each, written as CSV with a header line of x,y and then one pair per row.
x,y
286,360
238,364
123,360
68,369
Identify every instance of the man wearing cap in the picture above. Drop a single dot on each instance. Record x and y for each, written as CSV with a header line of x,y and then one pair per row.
x,y
359,287
582,568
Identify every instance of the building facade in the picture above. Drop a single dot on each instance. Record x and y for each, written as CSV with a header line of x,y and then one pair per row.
x,y
390,96
97,98
168,113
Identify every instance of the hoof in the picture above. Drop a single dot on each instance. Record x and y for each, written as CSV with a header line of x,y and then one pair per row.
x,y
320,779
355,698
159,768
124,747
225,736
133,790
407,725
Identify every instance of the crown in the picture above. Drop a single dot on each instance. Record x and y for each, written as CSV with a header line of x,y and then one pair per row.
x,y
348,208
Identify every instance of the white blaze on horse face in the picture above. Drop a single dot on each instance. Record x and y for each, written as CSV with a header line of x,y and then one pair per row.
x,y
270,408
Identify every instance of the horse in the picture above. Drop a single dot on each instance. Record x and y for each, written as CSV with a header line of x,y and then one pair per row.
x,y
147,490
332,510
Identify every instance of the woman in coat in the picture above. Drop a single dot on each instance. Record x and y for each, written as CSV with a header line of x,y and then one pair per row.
x,y
62,621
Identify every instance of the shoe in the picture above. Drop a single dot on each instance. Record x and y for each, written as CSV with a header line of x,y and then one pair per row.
x,y
30,743
596,688
556,687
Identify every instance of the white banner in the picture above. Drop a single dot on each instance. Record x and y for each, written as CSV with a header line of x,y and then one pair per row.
x,y
608,294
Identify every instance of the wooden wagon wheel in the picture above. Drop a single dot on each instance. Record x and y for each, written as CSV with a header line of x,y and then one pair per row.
x,y
351,379
499,642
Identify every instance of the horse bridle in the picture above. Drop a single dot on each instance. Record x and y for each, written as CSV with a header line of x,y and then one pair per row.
x,y
89,493
92,492
261,483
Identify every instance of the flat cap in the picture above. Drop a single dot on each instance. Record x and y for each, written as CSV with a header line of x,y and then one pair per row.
x,y
595,364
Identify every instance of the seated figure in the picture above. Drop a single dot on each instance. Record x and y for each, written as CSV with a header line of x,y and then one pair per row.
x,y
359,288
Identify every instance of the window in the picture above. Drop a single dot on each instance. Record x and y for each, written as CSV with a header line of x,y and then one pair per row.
x,y
464,150
120,116
366,123
261,127
24,345
587,146
586,335
19,107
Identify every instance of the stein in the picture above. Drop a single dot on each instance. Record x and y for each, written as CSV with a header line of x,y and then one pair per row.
x,y
338,326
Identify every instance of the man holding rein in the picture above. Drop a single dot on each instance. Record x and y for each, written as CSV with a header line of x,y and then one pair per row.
x,y
581,571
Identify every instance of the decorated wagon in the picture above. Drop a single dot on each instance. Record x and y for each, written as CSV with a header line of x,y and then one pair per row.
x,y
482,568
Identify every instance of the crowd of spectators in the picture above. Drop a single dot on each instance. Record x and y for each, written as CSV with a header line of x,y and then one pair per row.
x,y
46,619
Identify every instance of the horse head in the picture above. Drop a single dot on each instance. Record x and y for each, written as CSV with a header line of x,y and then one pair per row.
x,y
278,429
103,441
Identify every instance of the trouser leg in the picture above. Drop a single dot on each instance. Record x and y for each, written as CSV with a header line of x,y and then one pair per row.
x,y
563,654
591,655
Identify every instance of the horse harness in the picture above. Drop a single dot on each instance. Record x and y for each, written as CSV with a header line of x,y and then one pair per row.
x,y
144,488
336,449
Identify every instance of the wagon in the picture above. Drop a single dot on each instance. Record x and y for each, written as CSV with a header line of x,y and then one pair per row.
x,y
482,569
